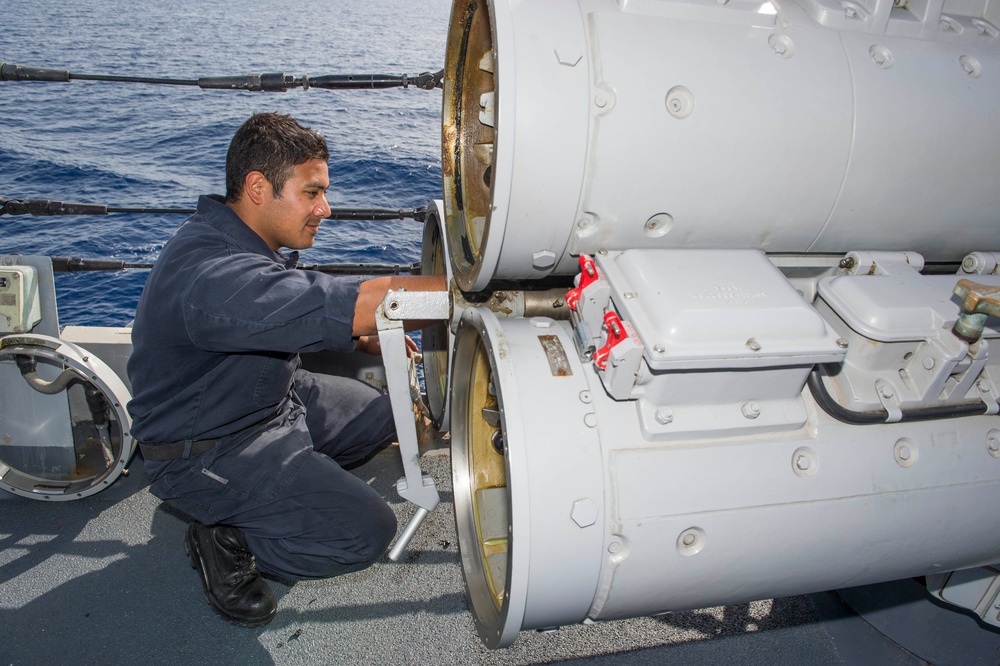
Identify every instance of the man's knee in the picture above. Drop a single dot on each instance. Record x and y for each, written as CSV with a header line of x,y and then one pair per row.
x,y
368,545
332,554
376,540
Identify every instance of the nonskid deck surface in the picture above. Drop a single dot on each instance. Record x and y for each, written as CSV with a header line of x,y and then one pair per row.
x,y
105,580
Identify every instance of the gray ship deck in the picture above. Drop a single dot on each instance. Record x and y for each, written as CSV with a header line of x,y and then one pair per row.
x,y
105,580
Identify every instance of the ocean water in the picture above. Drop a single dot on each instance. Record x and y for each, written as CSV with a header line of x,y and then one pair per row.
x,y
132,145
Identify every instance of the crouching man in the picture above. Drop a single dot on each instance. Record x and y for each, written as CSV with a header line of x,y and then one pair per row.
x,y
234,433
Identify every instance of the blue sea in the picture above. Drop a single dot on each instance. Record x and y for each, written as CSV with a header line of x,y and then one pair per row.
x,y
132,145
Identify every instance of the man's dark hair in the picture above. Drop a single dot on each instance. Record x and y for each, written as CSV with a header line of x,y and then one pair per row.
x,y
274,145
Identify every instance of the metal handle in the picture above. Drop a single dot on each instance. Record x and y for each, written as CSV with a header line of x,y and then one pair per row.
x,y
978,302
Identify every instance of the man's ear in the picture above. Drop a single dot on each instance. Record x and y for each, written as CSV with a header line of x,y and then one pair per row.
x,y
256,187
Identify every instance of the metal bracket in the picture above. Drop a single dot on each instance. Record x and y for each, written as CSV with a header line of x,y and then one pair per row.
x,y
889,398
415,486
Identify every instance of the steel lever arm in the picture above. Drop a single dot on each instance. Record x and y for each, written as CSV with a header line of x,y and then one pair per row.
x,y
415,486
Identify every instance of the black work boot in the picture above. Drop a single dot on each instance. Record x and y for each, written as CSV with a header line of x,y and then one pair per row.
x,y
229,573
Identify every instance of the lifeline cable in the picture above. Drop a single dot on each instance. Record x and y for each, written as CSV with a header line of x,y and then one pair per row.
x,y
48,207
269,82
77,264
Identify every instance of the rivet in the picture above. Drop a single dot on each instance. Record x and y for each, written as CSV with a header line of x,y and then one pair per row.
x,y
659,225
679,102
753,345
993,443
691,541
842,343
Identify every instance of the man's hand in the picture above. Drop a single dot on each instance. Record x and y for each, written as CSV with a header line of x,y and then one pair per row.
x,y
370,344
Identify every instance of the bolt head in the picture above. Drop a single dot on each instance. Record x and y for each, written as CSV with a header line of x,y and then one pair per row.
x,y
568,53
543,259
584,512
802,463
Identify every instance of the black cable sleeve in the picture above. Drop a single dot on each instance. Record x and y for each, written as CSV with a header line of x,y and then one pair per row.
x,y
845,415
377,214
20,73
275,82
358,81
362,269
79,264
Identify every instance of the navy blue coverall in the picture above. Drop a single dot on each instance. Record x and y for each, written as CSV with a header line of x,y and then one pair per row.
x,y
216,339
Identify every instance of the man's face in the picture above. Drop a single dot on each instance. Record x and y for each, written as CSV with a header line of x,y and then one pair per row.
x,y
292,219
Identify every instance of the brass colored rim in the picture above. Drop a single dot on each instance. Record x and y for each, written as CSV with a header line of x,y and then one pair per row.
x,y
487,472
435,338
468,132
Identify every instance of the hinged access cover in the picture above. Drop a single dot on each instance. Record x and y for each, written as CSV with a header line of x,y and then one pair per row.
x,y
715,309
899,308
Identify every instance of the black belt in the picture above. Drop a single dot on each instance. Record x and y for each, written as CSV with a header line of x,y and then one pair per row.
x,y
178,450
